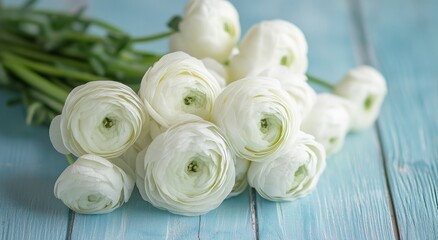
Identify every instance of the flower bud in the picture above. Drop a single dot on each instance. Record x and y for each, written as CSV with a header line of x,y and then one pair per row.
x,y
94,185
328,121
292,174
365,87
210,28
267,44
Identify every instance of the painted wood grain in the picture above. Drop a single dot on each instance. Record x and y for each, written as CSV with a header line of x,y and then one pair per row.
x,y
403,44
135,220
351,199
29,167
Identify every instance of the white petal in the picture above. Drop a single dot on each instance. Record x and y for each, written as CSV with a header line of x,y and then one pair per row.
x,y
56,137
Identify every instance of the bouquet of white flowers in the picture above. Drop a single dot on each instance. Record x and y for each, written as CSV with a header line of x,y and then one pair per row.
x,y
210,118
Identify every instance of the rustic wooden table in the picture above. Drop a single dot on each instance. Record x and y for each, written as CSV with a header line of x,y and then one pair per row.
x,y
383,184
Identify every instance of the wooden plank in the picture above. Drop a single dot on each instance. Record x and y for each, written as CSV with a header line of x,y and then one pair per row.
x,y
232,220
136,220
403,44
351,199
29,167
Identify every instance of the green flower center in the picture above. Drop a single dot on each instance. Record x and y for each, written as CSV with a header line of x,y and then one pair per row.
x,y
299,176
195,98
369,101
271,128
228,28
94,198
193,166
107,122
287,60
188,100
264,125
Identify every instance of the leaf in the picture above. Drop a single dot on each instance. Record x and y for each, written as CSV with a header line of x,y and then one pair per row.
x,y
173,23
4,77
36,113
14,101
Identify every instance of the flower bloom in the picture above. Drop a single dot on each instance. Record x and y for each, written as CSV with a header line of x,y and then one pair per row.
x,y
328,121
217,70
296,85
104,118
258,117
267,44
365,87
292,174
176,88
186,170
241,181
94,185
210,28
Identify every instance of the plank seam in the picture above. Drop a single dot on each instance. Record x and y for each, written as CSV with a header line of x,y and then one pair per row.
x,y
253,207
365,57
388,189
70,223
199,228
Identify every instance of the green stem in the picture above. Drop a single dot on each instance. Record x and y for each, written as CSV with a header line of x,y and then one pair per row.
x,y
13,39
36,80
42,56
70,159
96,22
152,37
53,104
81,37
47,69
319,81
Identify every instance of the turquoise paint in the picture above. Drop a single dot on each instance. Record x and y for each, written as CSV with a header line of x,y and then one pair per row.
x,y
353,199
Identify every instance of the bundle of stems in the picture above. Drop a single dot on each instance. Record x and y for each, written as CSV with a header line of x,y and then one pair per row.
x,y
45,54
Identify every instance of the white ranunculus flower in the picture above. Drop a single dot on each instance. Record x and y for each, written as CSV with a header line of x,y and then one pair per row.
x,y
210,28
104,118
258,117
267,44
217,70
241,181
296,85
328,121
365,87
94,185
176,88
292,174
187,170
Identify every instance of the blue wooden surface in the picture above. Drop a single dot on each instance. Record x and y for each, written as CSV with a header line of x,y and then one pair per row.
x,y
403,44
382,185
28,170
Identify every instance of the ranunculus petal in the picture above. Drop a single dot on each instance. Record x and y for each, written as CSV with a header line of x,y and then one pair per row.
x,y
258,117
292,174
56,136
94,185
210,28
267,44
178,88
295,84
329,121
187,170
104,118
365,87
